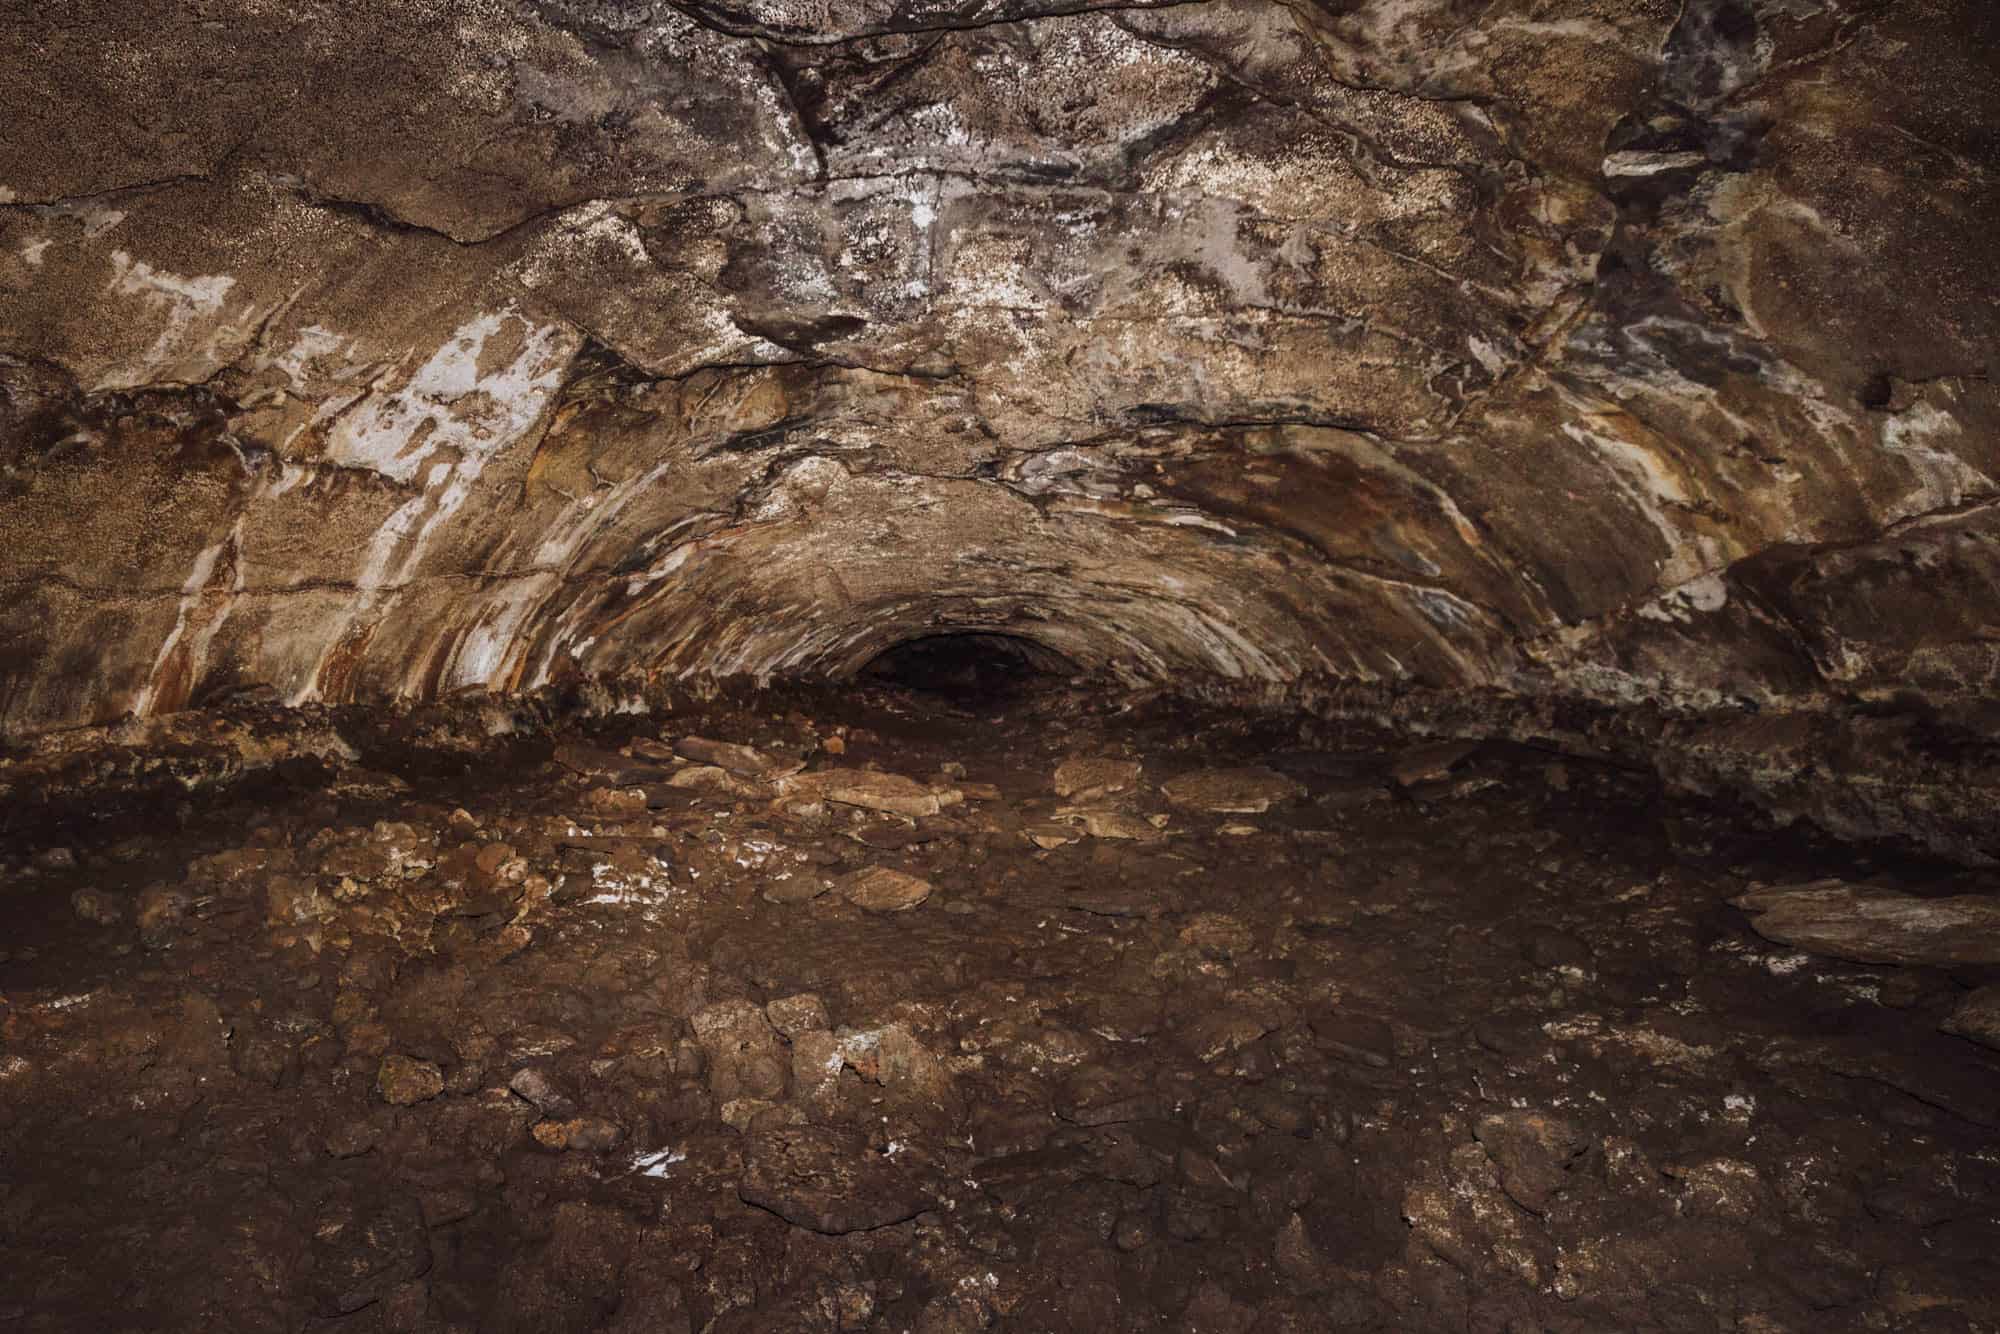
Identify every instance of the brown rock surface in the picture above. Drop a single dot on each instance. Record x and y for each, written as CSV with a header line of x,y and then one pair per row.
x,y
1627,354
828,1181
884,889
1977,1017
1248,790
1850,921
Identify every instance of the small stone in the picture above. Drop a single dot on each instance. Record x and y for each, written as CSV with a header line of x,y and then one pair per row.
x,y
615,800
1243,791
743,761
541,1092
1216,936
715,780
802,885
817,1061
798,1014
881,889
1977,1017
55,859
872,791
1049,835
1118,824
95,906
744,1056
405,1081
1087,776
583,1134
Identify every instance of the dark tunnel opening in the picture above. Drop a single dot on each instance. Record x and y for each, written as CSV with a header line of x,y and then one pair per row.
x,y
970,667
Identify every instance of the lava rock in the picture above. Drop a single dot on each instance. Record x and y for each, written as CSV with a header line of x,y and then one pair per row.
x,y
404,1081
881,889
744,1056
743,761
541,1092
1868,925
362,1250
1084,777
1242,791
829,1181
1358,1038
1533,1152
873,791
1977,1017
793,1015
97,907
583,1134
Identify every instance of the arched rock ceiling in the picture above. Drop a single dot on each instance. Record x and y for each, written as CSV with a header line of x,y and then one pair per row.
x,y
1626,348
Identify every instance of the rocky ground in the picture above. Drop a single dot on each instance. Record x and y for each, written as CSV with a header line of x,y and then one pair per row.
x,y
870,1011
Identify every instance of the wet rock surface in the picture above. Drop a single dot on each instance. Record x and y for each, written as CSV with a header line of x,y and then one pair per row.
x,y
439,1036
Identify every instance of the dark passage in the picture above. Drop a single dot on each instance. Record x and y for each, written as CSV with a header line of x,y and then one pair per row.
x,y
970,668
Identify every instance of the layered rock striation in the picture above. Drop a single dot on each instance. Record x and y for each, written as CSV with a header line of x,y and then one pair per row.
x,y
1635,352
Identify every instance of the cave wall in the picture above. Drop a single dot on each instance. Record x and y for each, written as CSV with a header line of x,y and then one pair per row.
x,y
1626,349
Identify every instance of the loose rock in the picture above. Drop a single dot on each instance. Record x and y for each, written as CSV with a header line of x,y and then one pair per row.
x,y
882,889
1867,925
1977,1017
1243,791
405,1081
1085,777
828,1181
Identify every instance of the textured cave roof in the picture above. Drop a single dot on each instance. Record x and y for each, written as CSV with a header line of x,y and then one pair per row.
x,y
1629,349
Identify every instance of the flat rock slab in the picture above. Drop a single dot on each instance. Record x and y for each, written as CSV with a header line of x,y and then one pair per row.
x,y
743,761
1867,925
872,791
713,778
828,1181
1100,823
609,765
804,885
880,889
889,837
1245,791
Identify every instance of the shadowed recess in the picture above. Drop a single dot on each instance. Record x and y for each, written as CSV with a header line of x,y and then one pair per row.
x,y
969,666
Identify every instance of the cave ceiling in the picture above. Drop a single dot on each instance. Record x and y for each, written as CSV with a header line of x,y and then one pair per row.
x,y
1626,349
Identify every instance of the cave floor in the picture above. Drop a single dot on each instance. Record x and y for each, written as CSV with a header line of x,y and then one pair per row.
x,y
552,1037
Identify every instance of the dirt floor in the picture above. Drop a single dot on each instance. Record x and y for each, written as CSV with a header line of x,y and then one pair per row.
x,y
935,1014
